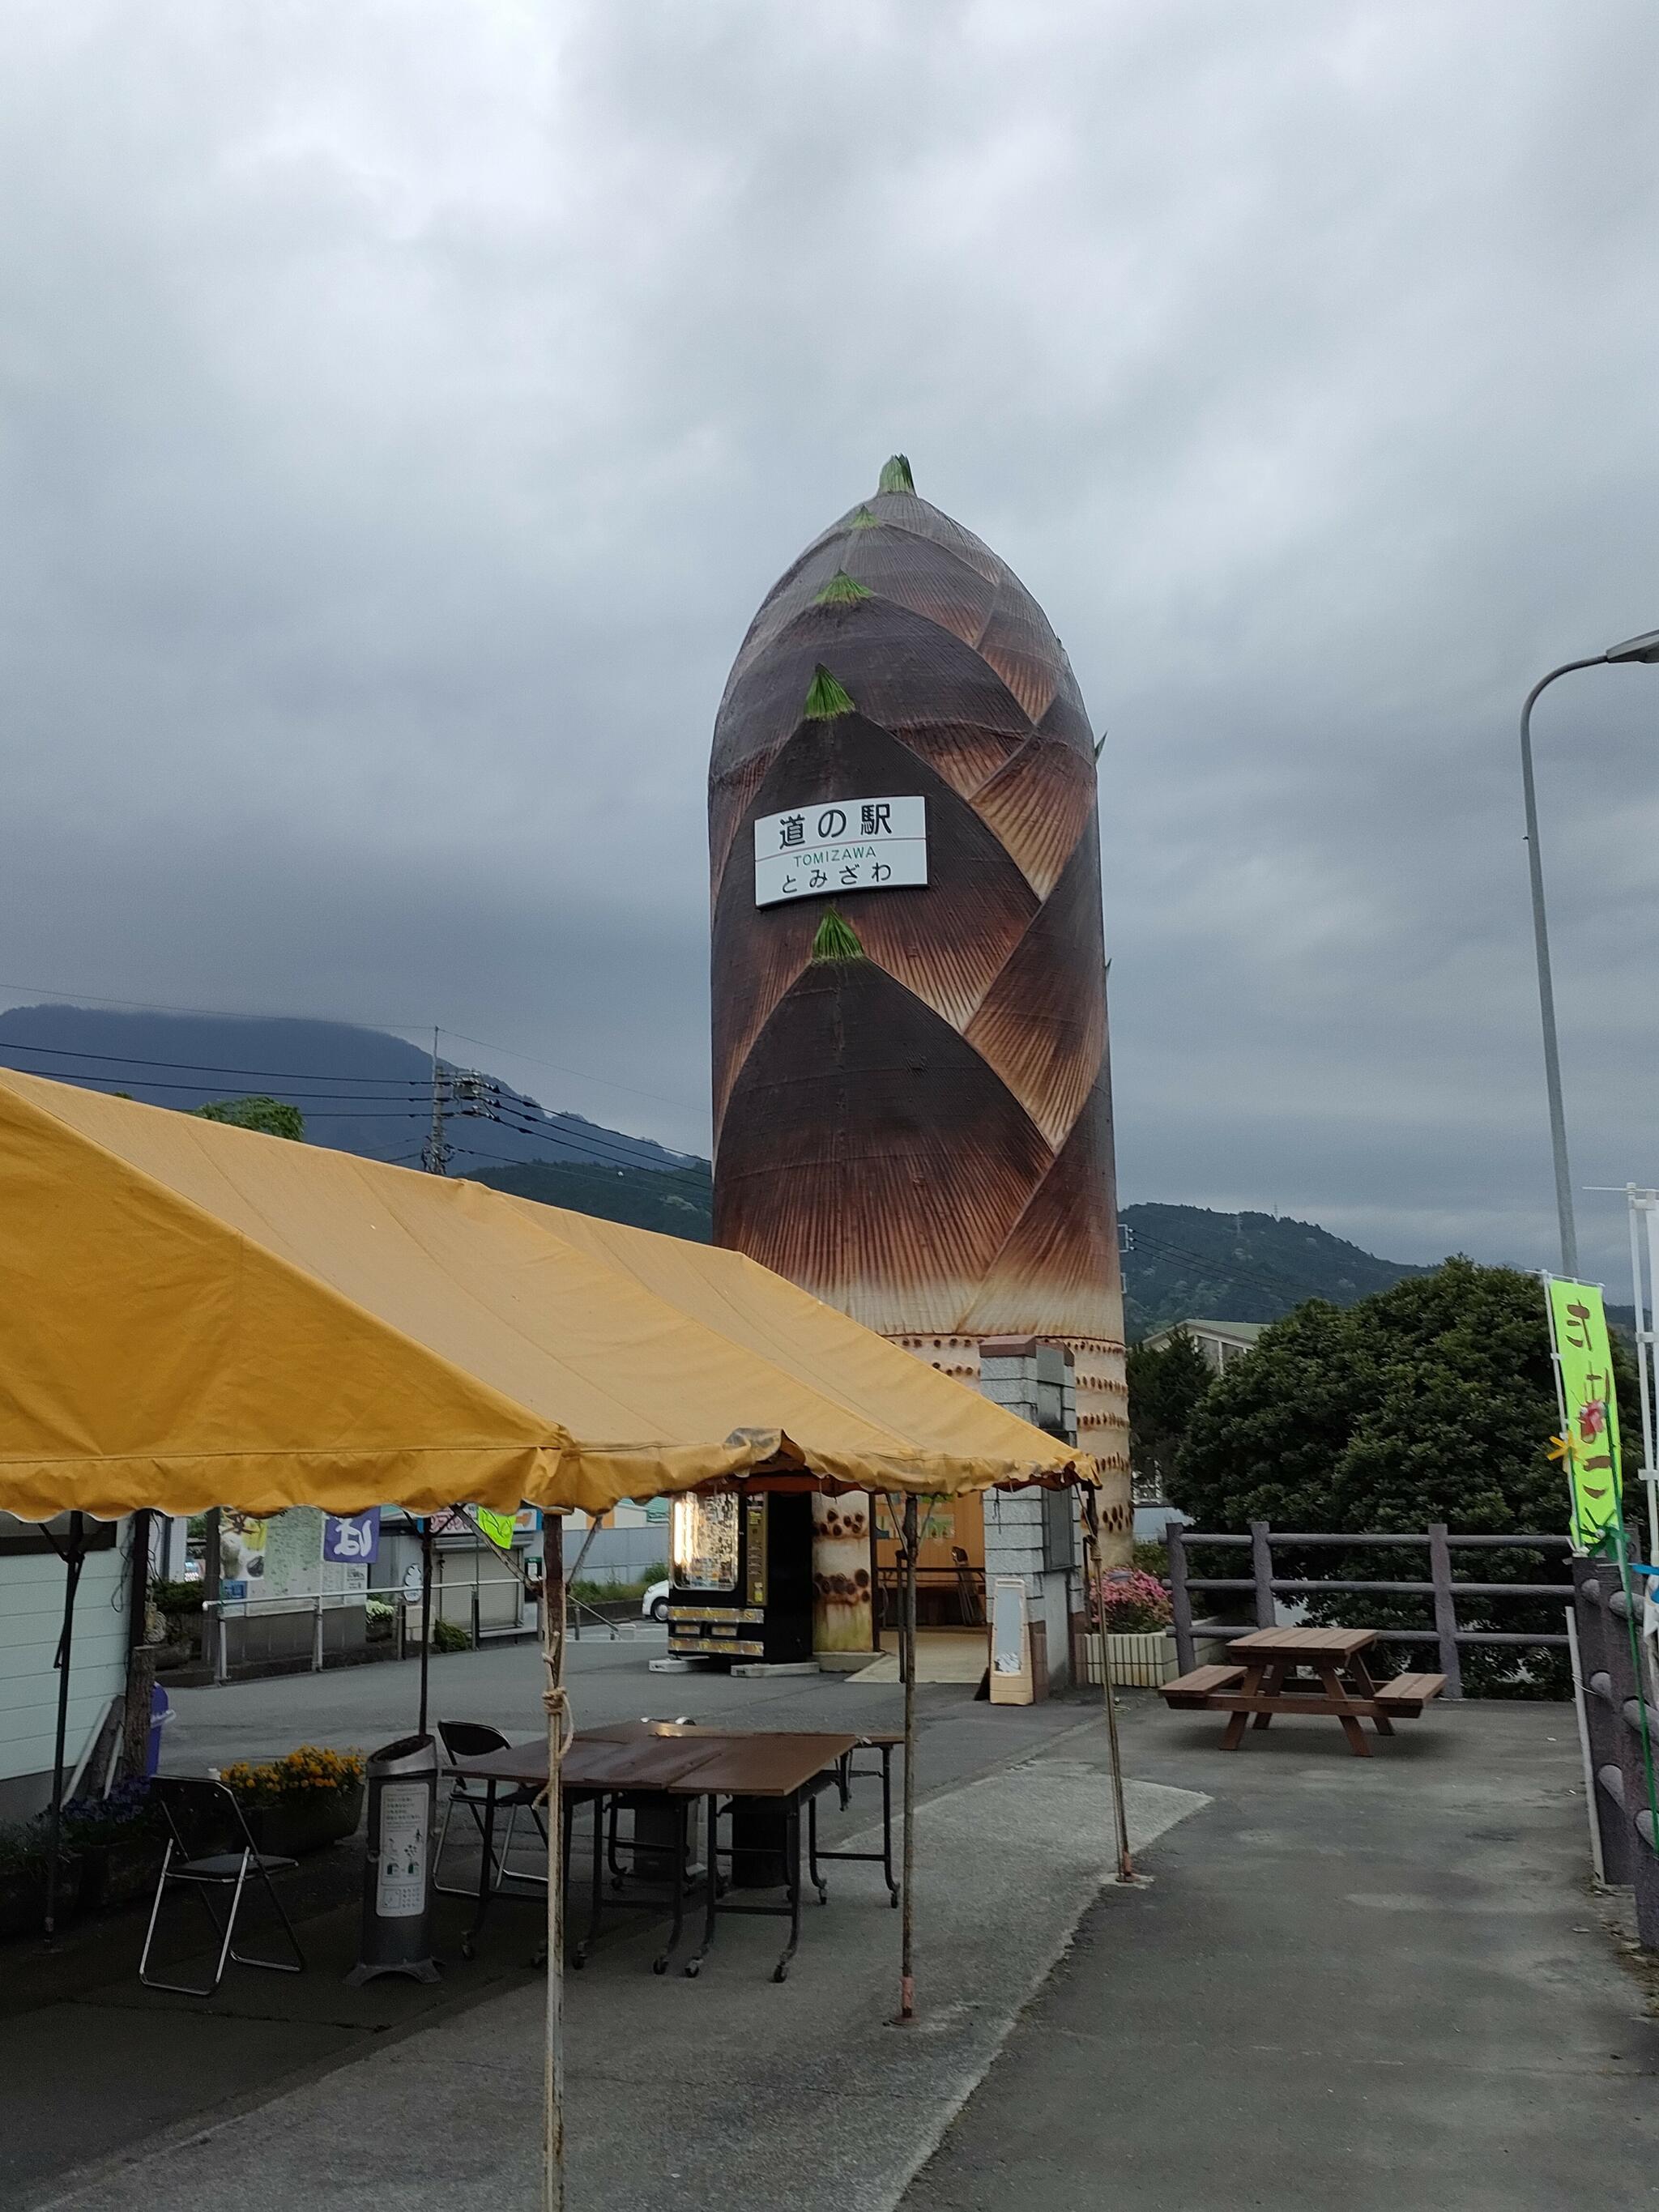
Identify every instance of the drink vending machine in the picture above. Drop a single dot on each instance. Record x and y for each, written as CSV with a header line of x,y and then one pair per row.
x,y
741,1577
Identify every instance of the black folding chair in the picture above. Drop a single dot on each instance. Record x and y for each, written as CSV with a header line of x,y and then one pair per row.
x,y
470,1739
210,1847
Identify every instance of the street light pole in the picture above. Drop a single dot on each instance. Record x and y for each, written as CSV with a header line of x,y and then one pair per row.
x,y
1642,649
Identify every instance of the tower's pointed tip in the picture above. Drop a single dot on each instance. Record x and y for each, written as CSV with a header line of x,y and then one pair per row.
x,y
826,698
896,476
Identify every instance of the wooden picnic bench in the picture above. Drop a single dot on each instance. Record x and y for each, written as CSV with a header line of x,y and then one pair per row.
x,y
1303,1670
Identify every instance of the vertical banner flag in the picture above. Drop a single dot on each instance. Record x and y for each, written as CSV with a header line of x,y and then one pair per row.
x,y
1588,1444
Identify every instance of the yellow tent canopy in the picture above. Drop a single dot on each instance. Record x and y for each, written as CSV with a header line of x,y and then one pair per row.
x,y
193,1315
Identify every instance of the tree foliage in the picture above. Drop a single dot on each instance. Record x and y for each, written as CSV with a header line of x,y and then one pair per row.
x,y
1167,1382
1434,1401
273,1117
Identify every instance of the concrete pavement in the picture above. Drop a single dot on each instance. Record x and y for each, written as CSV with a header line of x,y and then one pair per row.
x,y
95,2067
728,2089
1380,1985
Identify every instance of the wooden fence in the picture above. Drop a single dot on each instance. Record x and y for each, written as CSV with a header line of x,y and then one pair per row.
x,y
1444,1591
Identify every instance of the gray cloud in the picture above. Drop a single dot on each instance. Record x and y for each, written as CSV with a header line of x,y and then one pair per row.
x,y
402,409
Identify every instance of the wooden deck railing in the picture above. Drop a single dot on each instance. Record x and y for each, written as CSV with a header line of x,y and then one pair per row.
x,y
1442,1589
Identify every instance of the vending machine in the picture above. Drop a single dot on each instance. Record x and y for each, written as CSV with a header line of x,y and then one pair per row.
x,y
741,1577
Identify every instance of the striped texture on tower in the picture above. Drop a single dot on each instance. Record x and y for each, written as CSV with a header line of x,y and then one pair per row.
x,y
912,1100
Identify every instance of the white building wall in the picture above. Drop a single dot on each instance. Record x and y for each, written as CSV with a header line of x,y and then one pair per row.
x,y
31,1621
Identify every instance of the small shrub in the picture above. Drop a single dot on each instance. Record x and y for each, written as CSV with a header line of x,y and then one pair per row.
x,y
177,1597
450,1636
1133,1604
1151,1558
301,1774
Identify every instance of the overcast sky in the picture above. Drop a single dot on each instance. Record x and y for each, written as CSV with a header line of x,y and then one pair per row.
x,y
405,406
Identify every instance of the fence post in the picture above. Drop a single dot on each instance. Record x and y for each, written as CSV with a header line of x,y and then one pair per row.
x,y
1180,1597
1445,1608
1261,1568
317,1634
477,1623
221,1661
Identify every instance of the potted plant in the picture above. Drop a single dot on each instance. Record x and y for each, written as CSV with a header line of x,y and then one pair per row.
x,y
119,1840
25,1851
1133,1610
298,1803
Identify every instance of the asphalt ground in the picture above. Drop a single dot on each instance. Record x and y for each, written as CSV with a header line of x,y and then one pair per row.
x,y
93,2066
1380,1985
1377,1984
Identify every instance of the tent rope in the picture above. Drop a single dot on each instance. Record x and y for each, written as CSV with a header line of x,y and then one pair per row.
x,y
555,1703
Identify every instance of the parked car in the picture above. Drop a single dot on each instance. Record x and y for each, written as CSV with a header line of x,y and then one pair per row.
x,y
654,1604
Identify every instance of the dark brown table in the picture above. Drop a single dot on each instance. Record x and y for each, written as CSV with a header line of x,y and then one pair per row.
x,y
679,1763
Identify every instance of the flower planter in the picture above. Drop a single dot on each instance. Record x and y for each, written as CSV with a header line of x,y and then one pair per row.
x,y
1145,1660
118,1871
299,1825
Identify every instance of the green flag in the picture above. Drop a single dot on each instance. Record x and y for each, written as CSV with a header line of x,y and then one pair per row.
x,y
1590,1442
498,1527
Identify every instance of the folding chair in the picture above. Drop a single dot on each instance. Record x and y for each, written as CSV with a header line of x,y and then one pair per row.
x,y
210,1847
469,1740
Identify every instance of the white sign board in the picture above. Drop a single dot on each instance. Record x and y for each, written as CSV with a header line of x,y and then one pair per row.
x,y
840,845
400,1887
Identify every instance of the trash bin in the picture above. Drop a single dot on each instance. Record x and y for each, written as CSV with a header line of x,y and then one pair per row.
x,y
161,1712
396,1937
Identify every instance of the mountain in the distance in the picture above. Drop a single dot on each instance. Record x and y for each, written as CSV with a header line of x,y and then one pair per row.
x,y
361,1090
1186,1263
366,1091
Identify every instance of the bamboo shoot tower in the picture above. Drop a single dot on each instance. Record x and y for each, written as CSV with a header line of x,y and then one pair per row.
x,y
912,1097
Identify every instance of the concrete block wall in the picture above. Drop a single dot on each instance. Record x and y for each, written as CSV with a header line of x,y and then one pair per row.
x,y
1037,1382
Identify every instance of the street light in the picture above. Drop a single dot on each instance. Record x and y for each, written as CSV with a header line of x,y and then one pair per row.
x,y
1644,648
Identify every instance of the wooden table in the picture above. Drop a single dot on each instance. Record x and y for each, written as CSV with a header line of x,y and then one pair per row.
x,y
1273,1678
680,1763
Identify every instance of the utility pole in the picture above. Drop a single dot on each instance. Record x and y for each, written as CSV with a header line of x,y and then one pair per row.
x,y
434,1154
474,1094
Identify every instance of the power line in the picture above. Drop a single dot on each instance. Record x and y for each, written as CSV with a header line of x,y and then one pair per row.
x,y
574,1074
48,991
546,1133
199,1067
595,1155
1243,1273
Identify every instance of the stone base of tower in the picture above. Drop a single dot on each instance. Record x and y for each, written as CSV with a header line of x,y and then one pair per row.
x,y
1072,1387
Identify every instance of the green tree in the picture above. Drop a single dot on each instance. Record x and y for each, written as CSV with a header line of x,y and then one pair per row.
x,y
1434,1401
1167,1383
272,1116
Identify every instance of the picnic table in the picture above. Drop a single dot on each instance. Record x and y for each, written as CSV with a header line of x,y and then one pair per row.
x,y
678,1762
1303,1670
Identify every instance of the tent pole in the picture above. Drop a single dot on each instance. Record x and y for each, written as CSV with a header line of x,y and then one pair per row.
x,y
558,1736
906,1963
72,1562
425,1608
1126,1865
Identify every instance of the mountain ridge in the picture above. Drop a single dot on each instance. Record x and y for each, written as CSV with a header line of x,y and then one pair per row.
x,y
369,1092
